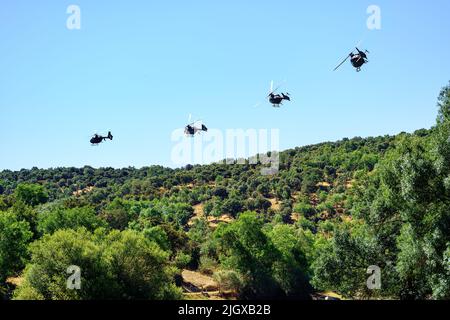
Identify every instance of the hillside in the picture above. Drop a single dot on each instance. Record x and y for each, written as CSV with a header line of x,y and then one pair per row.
x,y
301,169
333,210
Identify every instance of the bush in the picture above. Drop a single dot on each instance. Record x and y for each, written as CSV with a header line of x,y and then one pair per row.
x,y
304,209
60,218
31,194
182,260
116,265
207,265
14,238
229,280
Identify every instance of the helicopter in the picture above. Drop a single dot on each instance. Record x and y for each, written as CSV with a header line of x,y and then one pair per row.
x,y
277,99
195,127
97,139
357,59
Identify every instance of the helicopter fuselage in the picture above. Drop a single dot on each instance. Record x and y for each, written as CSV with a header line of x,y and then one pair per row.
x,y
277,99
357,61
97,139
191,130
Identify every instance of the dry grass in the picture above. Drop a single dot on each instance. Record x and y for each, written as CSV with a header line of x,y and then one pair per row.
x,y
83,191
275,204
331,294
215,295
198,213
214,222
200,281
15,281
198,210
349,184
323,184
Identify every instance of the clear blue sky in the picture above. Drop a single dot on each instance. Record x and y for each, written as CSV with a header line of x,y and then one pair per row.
x,y
139,68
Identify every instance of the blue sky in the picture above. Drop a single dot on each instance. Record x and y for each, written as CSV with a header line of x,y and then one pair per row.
x,y
139,68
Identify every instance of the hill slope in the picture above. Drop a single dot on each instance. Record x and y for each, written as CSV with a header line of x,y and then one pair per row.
x,y
334,215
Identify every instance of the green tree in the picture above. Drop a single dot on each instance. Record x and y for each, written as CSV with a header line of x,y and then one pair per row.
x,y
14,238
116,265
60,218
158,235
140,267
26,213
246,249
304,209
405,208
291,269
228,281
341,265
31,194
232,206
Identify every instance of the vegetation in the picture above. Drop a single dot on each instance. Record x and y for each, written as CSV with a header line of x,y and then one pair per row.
x,y
332,211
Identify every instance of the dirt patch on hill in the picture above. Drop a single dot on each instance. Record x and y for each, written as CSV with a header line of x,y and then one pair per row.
x,y
198,210
214,222
295,217
197,282
83,191
275,204
198,213
349,183
15,281
328,295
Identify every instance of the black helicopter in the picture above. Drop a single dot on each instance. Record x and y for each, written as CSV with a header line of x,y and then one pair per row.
x,y
277,99
357,59
97,139
193,128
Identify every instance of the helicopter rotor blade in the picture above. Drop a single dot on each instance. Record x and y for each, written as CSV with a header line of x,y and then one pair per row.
x,y
360,42
272,90
341,63
190,122
356,47
193,123
276,89
95,132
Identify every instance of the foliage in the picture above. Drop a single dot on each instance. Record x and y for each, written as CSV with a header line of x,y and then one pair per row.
x,y
59,218
116,265
333,210
31,194
14,238
228,280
